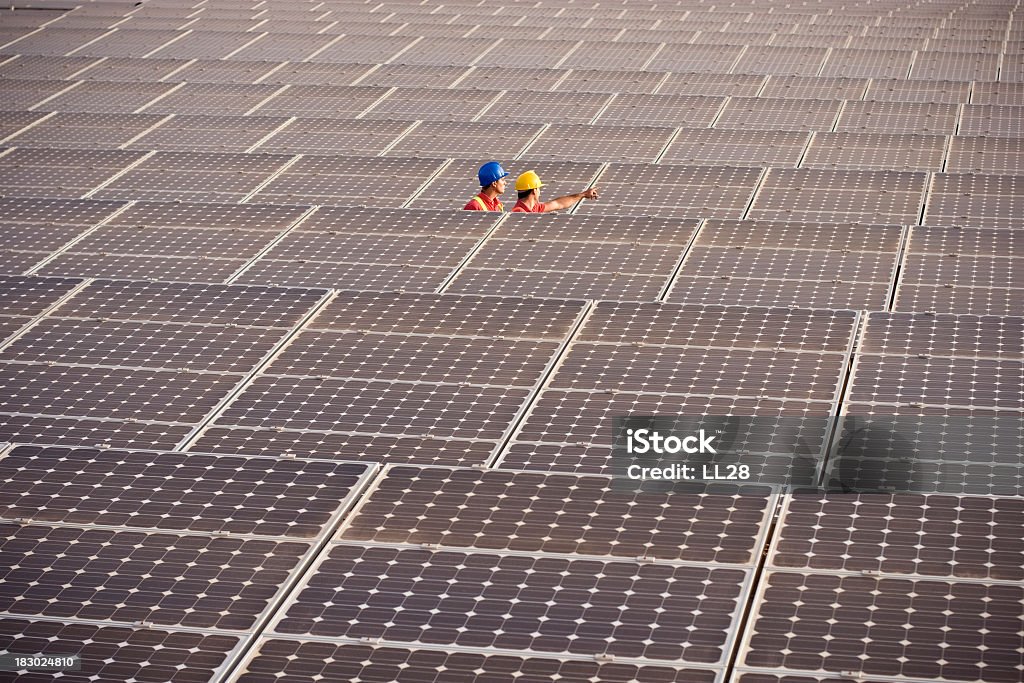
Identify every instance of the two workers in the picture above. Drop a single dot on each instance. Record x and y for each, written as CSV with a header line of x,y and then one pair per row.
x,y
492,184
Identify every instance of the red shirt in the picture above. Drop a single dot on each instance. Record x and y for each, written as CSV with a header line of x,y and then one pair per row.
x,y
521,207
492,205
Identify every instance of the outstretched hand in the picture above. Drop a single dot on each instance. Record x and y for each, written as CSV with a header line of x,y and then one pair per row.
x,y
590,193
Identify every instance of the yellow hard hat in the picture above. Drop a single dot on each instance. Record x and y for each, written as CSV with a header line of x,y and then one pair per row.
x,y
528,181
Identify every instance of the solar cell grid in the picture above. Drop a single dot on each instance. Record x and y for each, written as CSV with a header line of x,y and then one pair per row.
x,y
754,113
431,103
898,117
695,58
707,371
991,120
351,447
188,583
545,619
337,101
310,73
214,99
153,345
106,392
32,295
428,410
39,237
675,110
937,535
955,269
957,240
791,264
280,47
450,315
867,63
723,326
13,121
740,147
344,275
415,358
545,107
373,248
205,45
465,139
602,54
569,228
128,42
787,630
208,133
133,267
130,69
51,41
966,299
559,514
17,262
563,256
501,78
965,382
712,84
71,431
782,61
943,335
334,136
402,664
364,49
119,653
187,303
586,79
527,54
803,87
188,492
90,131
35,68
413,76
795,235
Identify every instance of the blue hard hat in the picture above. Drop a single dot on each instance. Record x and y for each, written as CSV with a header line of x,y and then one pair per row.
x,y
490,172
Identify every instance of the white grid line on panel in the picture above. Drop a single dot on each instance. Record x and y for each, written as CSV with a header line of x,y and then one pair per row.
x,y
266,181
560,80
674,275
604,167
401,136
469,257
894,282
28,127
357,81
494,100
200,426
569,53
326,45
129,141
43,101
63,249
757,189
270,245
668,143
242,47
400,52
657,51
267,99
425,183
99,37
529,143
272,133
725,103
158,98
660,83
807,147
165,44
375,103
117,175
187,64
74,74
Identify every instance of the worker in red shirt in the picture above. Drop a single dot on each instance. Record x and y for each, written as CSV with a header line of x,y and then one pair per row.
x,y
528,186
492,184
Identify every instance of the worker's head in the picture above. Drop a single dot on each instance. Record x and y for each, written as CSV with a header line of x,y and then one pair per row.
x,y
528,183
490,174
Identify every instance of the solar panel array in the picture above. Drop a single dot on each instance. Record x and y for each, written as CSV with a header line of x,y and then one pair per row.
x,y
274,409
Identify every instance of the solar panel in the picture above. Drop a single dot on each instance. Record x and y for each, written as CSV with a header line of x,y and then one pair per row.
x,y
583,79
32,295
450,315
207,133
413,75
563,227
912,334
59,173
545,619
131,69
500,77
465,139
545,107
938,535
329,101
694,58
803,87
870,613
664,110
868,63
733,85
220,71
559,283
92,131
530,512
119,653
99,433
34,68
187,582
898,117
954,240
344,275
405,665
186,303
521,53
755,113
795,235
294,499
311,73
740,147
952,92
372,248
213,99
588,257
963,299
349,447
873,150
791,264
128,266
